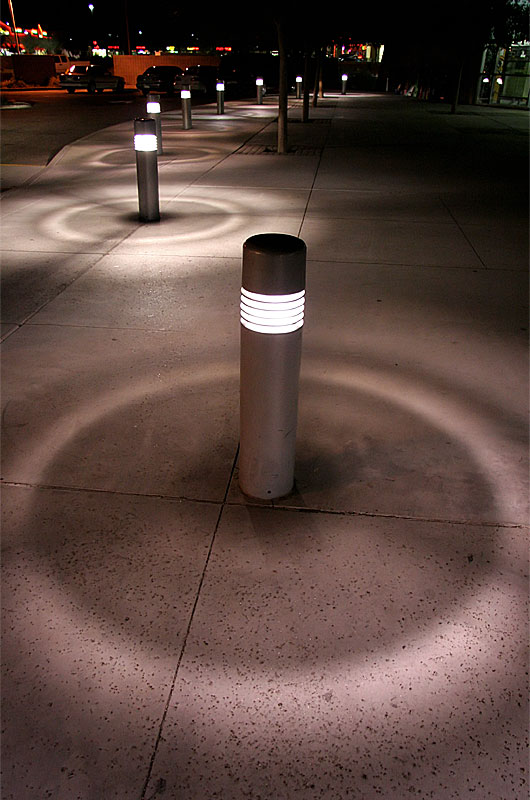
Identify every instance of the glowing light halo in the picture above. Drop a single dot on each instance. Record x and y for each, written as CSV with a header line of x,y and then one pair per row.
x,y
438,409
50,221
430,643
153,107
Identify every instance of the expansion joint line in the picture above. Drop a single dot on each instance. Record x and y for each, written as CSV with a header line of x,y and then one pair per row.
x,y
188,628
462,231
313,182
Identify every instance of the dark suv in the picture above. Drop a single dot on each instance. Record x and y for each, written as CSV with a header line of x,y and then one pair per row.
x,y
158,79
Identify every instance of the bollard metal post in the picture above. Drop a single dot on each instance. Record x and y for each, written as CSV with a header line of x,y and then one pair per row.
x,y
272,316
153,112
185,97
259,88
146,169
344,82
299,80
220,87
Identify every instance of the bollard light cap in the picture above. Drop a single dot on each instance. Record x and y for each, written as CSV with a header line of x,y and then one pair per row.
x,y
274,264
144,125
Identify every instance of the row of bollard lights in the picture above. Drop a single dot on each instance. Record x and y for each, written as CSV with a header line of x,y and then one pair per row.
x,y
148,145
148,142
271,317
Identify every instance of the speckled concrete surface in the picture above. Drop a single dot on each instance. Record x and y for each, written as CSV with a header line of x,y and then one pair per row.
x,y
366,636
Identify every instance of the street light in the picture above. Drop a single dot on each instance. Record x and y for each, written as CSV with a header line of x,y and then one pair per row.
x,y
220,87
344,81
272,316
259,86
298,86
146,169
153,112
185,99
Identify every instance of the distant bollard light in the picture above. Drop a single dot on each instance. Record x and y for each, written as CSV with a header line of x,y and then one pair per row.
x,y
220,87
344,82
298,87
146,169
153,111
259,87
272,316
185,97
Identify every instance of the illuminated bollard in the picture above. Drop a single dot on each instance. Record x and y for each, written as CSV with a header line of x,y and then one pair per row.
x,y
220,97
272,316
146,169
185,97
259,87
344,82
298,87
153,112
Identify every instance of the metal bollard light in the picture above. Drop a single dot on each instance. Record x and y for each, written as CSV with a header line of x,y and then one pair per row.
x,y
185,97
153,112
220,87
259,88
272,316
298,80
344,82
146,169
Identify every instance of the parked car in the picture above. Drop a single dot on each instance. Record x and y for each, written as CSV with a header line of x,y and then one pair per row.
x,y
63,63
159,79
204,78
198,78
94,78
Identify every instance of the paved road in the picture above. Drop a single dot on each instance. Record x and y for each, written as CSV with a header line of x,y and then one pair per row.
x,y
33,135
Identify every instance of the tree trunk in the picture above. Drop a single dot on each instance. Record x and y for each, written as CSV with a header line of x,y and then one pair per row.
x,y
283,90
457,89
307,72
317,77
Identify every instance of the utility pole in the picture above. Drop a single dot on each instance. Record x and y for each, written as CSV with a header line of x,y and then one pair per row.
x,y
17,43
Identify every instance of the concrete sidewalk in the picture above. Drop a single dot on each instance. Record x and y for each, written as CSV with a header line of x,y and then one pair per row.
x,y
365,637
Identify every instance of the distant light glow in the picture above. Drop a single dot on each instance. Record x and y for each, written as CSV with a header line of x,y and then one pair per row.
x,y
185,94
298,79
269,313
220,86
259,81
145,142
344,77
153,107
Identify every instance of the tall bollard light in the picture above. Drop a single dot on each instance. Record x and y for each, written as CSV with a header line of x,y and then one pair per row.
x,y
344,82
259,88
272,316
185,97
298,81
146,169
153,112
220,87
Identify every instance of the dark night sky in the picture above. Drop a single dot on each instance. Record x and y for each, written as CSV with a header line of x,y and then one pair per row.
x,y
172,22
169,17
